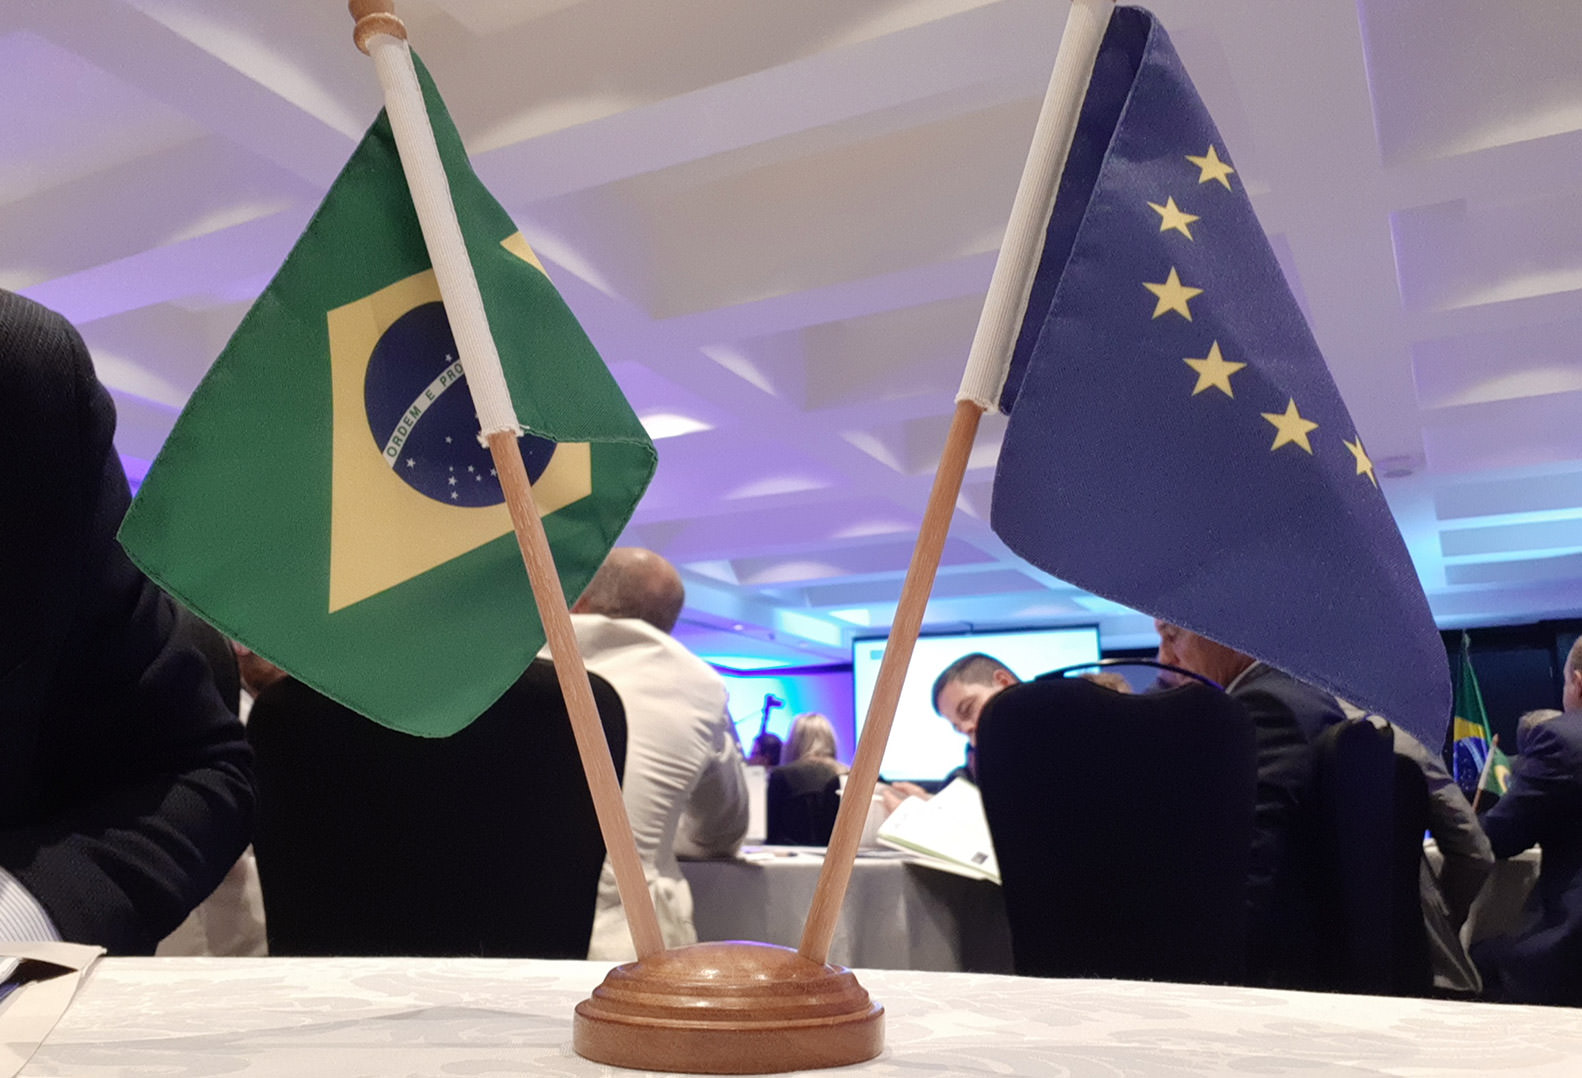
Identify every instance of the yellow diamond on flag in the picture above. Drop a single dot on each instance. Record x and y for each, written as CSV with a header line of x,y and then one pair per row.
x,y
415,493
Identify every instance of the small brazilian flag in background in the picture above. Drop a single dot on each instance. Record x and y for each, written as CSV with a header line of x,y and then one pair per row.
x,y
1471,740
325,499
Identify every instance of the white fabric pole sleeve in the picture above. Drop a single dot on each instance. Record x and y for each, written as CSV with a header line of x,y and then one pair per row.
x,y
1017,265
425,177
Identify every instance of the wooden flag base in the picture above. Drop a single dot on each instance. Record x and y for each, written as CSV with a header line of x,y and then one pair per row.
x,y
728,1008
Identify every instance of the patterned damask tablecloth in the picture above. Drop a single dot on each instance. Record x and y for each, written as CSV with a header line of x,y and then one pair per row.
x,y
466,1017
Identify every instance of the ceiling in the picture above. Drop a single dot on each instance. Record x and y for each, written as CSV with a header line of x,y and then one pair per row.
x,y
777,220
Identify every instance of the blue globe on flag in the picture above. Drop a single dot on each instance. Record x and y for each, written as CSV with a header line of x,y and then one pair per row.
x,y
421,415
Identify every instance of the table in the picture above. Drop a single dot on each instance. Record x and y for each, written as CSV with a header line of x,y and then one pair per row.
x,y
901,914
290,1018
1500,906
1498,909
898,913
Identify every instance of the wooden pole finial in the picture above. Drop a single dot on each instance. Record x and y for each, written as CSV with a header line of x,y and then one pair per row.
x,y
374,17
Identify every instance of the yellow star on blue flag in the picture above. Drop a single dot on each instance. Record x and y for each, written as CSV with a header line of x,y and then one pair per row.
x,y
1210,167
1172,295
1290,428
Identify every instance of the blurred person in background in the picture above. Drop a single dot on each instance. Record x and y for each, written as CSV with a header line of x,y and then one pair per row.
x,y
1542,963
804,791
685,782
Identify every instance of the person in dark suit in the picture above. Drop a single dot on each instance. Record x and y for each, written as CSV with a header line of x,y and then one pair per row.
x,y
1287,715
125,782
1543,807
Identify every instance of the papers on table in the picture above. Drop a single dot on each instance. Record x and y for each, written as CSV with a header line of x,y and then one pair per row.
x,y
38,982
757,804
761,854
948,830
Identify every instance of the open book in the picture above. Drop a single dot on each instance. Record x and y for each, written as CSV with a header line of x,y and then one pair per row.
x,y
949,830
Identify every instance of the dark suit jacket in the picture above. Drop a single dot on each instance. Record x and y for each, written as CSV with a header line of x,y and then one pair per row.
x,y
1287,715
124,781
1543,964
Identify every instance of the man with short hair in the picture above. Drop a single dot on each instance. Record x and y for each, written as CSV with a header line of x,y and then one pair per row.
x,y
685,783
960,693
1543,807
963,687
1287,715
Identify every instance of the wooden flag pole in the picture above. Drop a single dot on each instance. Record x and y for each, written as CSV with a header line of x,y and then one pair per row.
x,y
603,784
987,364
842,853
381,35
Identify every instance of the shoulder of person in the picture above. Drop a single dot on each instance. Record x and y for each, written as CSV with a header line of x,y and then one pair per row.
x,y
604,638
1560,736
1268,691
1262,679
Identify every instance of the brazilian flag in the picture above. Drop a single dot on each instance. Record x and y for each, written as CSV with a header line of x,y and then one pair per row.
x,y
325,498
1478,762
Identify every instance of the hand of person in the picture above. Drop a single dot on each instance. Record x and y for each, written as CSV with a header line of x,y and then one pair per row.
x,y
896,792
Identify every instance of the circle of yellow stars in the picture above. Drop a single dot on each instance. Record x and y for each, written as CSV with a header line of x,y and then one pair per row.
x,y
1214,371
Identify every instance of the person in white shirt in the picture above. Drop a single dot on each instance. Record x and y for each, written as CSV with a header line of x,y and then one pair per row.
x,y
684,783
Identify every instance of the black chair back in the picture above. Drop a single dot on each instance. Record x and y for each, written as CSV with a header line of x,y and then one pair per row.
x,y
374,842
1122,824
801,803
1370,812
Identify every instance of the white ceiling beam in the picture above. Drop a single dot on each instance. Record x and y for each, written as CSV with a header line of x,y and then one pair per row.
x,y
214,265
145,53
988,46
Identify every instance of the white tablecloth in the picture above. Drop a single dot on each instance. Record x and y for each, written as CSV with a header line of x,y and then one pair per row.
x,y
303,1018
1498,910
897,914
1500,907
